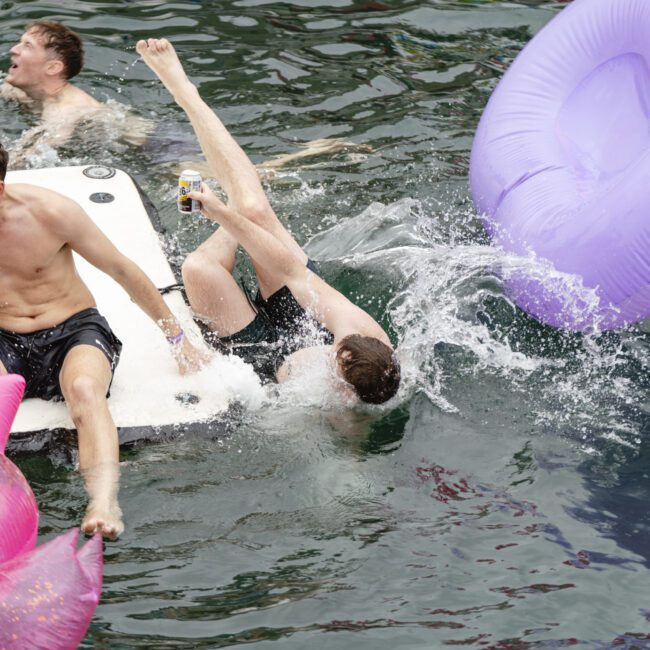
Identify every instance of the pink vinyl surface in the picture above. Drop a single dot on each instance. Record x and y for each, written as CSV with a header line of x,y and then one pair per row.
x,y
48,594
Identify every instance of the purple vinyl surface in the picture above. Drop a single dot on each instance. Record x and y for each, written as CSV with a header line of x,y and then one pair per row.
x,y
560,166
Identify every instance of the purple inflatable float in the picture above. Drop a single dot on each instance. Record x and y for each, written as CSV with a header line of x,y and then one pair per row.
x,y
47,594
560,166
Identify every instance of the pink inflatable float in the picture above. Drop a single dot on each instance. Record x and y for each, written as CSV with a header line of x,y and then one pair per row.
x,y
47,594
18,509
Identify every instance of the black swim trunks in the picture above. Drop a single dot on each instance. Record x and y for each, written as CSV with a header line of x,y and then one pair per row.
x,y
38,356
258,344
280,327
289,318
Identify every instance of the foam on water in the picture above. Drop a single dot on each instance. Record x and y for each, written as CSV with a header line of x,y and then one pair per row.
x,y
224,376
436,285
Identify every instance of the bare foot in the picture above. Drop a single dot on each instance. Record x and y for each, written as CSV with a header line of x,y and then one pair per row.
x,y
104,519
159,54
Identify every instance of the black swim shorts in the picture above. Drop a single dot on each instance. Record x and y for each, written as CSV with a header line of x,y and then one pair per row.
x,y
287,315
280,327
258,344
38,356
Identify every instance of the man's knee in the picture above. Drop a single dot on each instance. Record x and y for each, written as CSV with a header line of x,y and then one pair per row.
x,y
200,267
194,268
82,393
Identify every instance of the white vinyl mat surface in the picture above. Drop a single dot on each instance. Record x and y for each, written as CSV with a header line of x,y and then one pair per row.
x,y
147,389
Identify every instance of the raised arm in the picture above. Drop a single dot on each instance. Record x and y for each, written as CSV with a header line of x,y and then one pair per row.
x,y
69,221
323,302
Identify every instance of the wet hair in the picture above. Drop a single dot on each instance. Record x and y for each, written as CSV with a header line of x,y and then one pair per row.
x,y
65,43
4,162
370,366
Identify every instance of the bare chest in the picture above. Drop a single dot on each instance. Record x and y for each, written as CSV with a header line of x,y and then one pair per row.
x,y
28,251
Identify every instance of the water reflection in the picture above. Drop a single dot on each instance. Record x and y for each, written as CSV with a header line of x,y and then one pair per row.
x,y
619,485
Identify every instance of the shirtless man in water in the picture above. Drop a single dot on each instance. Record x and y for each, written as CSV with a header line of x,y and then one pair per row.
x,y
43,62
262,331
53,335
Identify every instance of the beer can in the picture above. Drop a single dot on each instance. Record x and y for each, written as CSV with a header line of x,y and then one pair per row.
x,y
188,181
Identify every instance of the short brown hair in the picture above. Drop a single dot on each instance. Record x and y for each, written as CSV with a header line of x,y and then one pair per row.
x,y
65,43
370,366
4,162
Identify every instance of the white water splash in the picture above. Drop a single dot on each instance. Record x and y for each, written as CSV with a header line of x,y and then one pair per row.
x,y
443,284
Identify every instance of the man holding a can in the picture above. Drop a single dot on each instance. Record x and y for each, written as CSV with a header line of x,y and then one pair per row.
x,y
265,330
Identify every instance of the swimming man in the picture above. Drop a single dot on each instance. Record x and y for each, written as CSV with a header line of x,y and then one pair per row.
x,y
53,335
362,359
43,62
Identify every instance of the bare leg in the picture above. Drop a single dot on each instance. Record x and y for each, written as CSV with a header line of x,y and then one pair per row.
x,y
85,377
214,295
314,148
310,149
228,162
3,370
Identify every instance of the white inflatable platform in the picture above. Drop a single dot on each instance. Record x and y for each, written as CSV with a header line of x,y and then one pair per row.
x,y
149,398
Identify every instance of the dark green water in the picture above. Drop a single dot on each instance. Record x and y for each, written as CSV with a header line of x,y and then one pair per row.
x,y
502,503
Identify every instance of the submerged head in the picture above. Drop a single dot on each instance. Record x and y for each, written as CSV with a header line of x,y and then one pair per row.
x,y
47,51
369,366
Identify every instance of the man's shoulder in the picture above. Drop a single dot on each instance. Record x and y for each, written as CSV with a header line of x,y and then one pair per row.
x,y
304,360
79,98
7,91
36,192
39,199
75,105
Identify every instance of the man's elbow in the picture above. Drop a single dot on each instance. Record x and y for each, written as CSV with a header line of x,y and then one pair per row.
x,y
122,270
